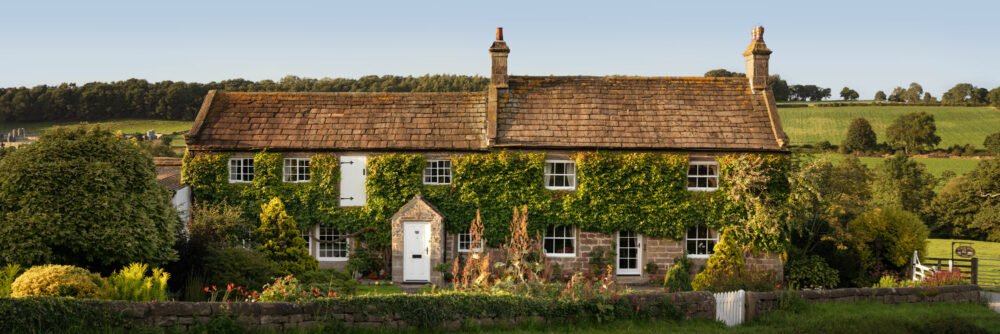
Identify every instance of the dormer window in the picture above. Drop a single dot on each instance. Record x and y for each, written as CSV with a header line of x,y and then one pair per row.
x,y
703,176
560,174
437,172
241,170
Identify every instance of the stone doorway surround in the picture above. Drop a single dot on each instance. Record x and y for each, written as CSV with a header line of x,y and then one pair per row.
x,y
418,209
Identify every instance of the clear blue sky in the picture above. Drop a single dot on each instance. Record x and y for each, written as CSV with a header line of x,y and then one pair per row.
x,y
866,45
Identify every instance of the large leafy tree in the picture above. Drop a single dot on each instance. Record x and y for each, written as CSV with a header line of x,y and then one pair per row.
x,y
84,196
824,197
849,94
913,93
913,132
961,93
903,182
860,137
880,96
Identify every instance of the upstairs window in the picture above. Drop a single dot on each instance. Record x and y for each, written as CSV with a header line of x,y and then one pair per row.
x,y
437,172
465,243
327,250
703,176
296,170
560,175
701,241
241,170
559,241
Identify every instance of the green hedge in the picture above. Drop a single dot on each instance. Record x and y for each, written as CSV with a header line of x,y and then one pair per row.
x,y
55,315
642,192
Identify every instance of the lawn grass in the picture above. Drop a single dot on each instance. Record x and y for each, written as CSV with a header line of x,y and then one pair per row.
x,y
383,288
124,125
955,125
941,248
935,166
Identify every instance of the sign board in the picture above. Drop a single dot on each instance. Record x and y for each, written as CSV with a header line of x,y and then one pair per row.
x,y
965,251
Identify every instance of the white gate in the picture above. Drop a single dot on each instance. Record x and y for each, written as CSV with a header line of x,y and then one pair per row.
x,y
729,307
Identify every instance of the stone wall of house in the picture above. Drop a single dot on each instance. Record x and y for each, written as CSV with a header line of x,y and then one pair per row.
x,y
286,316
758,303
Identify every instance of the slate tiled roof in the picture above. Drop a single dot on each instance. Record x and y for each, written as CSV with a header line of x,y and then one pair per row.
x,y
670,113
340,121
635,113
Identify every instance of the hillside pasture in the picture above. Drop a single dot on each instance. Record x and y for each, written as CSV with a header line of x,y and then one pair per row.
x,y
935,166
955,125
125,126
941,248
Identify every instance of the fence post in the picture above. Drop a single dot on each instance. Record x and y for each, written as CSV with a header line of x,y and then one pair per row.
x,y
975,271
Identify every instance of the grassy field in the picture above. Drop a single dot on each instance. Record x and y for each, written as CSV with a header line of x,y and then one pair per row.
x,y
935,166
955,125
941,248
125,125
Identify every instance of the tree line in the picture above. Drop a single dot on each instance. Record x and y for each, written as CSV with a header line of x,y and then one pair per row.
x,y
178,100
782,91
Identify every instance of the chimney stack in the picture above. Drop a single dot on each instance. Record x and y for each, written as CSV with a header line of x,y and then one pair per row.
x,y
757,56
498,85
498,53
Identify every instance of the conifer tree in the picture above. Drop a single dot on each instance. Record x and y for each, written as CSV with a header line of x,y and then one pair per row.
x,y
279,240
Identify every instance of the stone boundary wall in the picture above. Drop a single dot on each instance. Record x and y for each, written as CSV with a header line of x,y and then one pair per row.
x,y
758,303
284,316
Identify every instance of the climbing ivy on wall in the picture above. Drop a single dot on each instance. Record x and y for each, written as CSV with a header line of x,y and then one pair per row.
x,y
643,192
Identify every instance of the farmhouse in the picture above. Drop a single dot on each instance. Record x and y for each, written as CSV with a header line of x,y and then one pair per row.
x,y
590,156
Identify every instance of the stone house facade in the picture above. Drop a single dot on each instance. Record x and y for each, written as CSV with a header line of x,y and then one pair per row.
x,y
556,115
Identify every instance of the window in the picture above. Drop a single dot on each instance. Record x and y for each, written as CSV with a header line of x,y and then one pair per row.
x,y
559,241
701,241
327,250
703,175
296,170
560,175
437,172
240,170
465,243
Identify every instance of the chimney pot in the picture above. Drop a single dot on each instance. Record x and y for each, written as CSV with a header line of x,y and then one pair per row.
x,y
499,33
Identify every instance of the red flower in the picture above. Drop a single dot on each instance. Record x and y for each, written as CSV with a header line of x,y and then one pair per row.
x,y
213,287
206,289
230,287
331,294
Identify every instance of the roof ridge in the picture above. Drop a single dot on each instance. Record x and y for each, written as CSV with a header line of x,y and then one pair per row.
x,y
630,77
349,93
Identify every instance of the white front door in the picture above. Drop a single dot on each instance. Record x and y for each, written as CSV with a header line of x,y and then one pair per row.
x,y
352,180
629,253
416,252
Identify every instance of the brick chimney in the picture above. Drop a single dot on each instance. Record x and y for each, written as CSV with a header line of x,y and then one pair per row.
x,y
498,85
757,56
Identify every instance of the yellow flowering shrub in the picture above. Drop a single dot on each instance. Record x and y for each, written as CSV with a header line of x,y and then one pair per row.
x,y
54,280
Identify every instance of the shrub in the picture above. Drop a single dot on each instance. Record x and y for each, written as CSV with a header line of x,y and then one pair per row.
x,y
57,315
992,143
280,241
220,224
53,280
330,280
679,275
244,267
87,197
600,258
132,284
726,271
364,261
7,276
887,237
812,273
860,137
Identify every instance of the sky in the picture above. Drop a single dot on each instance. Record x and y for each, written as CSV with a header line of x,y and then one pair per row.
x,y
865,45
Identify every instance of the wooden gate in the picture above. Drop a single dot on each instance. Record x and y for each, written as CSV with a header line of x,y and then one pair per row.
x,y
730,307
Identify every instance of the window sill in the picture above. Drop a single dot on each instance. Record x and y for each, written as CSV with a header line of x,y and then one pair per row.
x,y
235,181
560,255
560,188
437,184
331,259
296,181
703,189
699,256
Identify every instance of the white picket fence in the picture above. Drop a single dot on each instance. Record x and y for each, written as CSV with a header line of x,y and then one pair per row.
x,y
729,307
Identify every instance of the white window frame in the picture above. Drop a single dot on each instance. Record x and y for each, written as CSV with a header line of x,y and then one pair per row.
x,y
571,176
320,245
467,242
241,175
570,230
442,172
713,235
715,164
292,173
306,234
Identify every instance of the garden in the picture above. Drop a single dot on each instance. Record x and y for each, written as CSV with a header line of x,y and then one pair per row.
x,y
837,225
